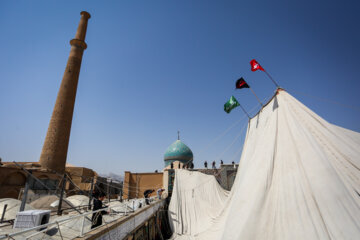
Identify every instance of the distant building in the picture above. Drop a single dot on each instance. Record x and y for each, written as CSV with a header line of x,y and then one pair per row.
x,y
13,179
112,188
79,181
177,156
136,183
225,175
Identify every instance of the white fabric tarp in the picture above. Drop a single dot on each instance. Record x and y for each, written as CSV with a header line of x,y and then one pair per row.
x,y
197,199
298,178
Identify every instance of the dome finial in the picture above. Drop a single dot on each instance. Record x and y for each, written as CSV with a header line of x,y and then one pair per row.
x,y
178,135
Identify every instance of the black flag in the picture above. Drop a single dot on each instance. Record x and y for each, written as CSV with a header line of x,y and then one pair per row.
x,y
240,83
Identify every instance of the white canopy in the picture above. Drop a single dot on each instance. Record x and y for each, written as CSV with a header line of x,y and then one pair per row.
x,y
298,178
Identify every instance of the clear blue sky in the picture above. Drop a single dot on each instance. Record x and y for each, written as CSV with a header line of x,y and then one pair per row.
x,y
155,67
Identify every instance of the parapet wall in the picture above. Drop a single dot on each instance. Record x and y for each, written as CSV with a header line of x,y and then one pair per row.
x,y
130,225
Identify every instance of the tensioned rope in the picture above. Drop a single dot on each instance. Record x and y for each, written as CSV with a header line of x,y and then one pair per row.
x,y
86,178
222,134
315,97
131,188
232,143
357,108
253,109
106,183
215,140
236,154
241,148
231,127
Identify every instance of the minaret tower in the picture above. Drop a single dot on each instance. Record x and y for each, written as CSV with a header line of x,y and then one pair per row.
x,y
54,151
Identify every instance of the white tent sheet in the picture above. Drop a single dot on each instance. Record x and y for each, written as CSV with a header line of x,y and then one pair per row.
x,y
298,178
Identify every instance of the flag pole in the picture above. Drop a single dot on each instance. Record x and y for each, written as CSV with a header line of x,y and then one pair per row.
x,y
244,111
277,85
256,96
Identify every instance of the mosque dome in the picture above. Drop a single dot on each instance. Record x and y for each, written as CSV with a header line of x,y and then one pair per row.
x,y
178,151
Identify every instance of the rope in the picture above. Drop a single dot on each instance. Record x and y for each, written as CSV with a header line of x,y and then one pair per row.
x,y
237,152
232,143
222,134
357,108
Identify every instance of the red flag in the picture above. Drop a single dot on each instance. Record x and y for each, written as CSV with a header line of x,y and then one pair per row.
x,y
256,66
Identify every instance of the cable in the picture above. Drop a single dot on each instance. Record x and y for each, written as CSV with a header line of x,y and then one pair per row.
x,y
222,134
240,149
235,139
357,108
231,127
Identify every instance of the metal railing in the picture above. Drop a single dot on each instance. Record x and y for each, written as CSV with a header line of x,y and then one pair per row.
x,y
45,227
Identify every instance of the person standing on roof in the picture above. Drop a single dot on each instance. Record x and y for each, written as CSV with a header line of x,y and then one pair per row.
x,y
147,194
96,219
159,192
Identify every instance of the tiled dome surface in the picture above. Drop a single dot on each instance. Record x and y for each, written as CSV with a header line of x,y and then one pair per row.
x,y
178,151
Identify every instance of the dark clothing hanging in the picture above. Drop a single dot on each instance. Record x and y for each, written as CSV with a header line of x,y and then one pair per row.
x,y
96,219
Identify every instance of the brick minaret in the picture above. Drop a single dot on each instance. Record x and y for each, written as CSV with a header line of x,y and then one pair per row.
x,y
54,151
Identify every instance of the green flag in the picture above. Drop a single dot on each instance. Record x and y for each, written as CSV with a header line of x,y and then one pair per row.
x,y
231,104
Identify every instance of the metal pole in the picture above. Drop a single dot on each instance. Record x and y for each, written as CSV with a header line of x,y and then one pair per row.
x,y
3,213
30,173
59,230
126,206
244,111
256,96
108,190
91,191
82,227
59,212
121,193
26,189
137,183
277,85
41,183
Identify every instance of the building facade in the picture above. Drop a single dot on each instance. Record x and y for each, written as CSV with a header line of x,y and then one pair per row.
x,y
177,156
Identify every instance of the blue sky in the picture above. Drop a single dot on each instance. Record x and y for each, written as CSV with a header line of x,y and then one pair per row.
x,y
155,67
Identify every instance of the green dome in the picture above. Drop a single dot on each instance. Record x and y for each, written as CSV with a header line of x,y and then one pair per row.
x,y
178,151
